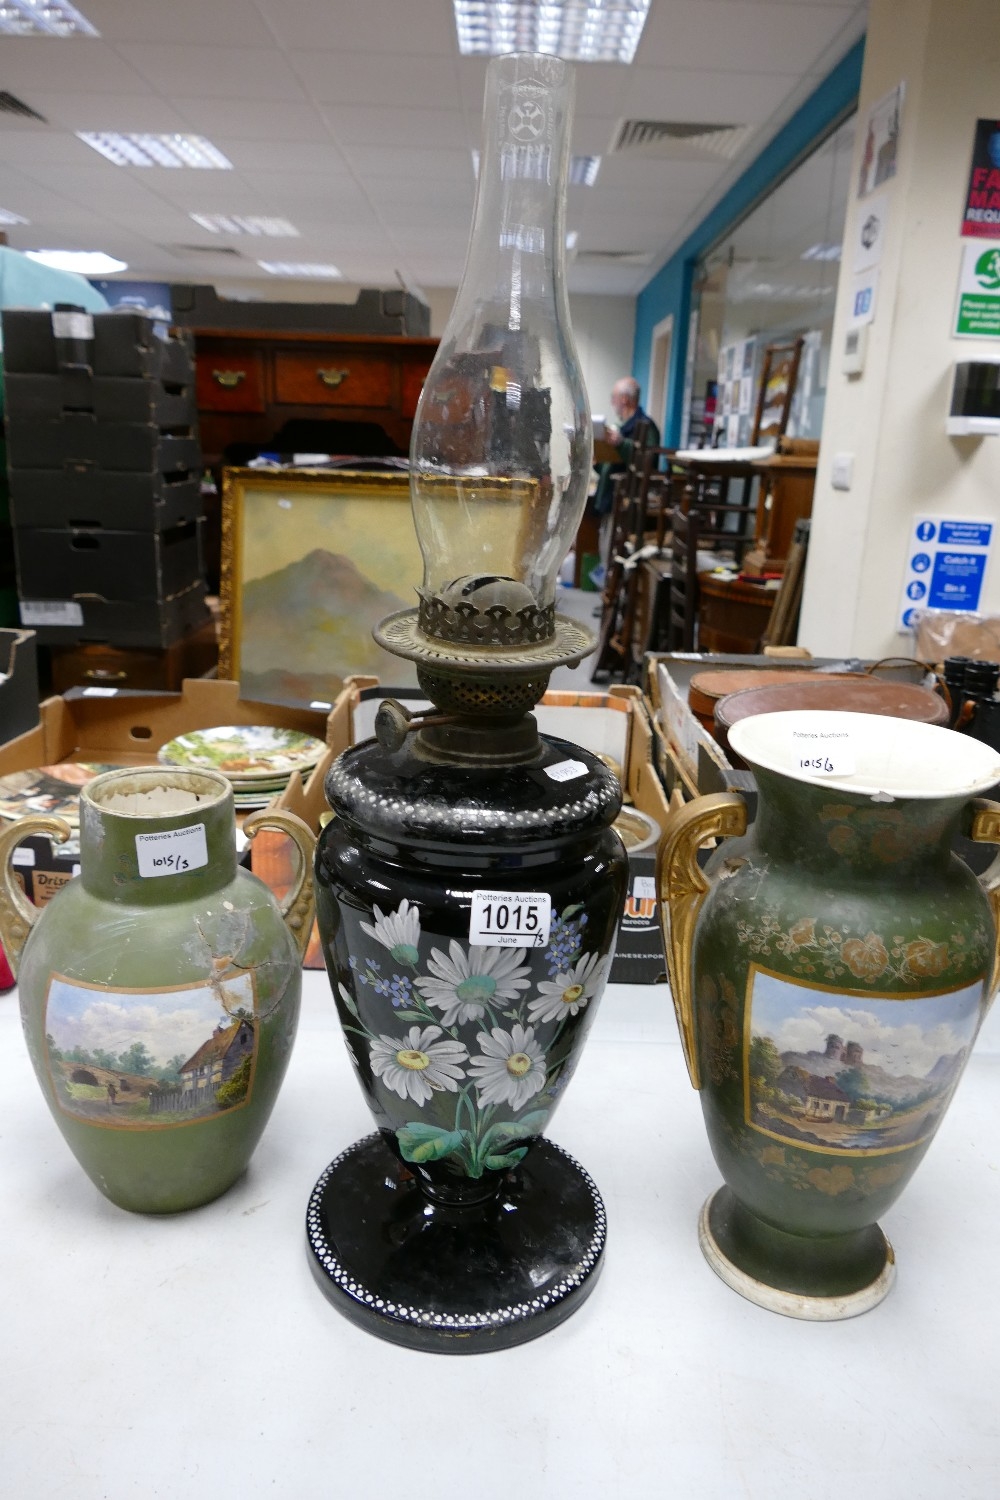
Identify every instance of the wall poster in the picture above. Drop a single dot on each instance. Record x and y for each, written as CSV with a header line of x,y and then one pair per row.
x,y
981,217
880,154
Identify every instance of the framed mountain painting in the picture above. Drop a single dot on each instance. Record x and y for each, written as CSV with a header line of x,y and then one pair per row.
x,y
312,559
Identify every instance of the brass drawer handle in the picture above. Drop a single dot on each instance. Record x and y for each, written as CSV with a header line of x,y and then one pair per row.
x,y
229,379
104,674
333,378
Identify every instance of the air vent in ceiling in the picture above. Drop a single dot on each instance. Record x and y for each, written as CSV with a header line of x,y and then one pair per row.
x,y
11,105
226,250
616,257
674,140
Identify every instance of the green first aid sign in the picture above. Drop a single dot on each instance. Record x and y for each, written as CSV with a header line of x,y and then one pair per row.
x,y
979,292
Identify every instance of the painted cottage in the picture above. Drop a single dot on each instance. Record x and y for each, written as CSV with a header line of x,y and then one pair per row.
x,y
216,1060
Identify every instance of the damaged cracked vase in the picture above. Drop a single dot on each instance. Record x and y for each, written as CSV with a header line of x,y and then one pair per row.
x,y
830,970
159,988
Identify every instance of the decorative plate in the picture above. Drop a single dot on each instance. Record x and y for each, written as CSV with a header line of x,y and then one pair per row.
x,y
244,752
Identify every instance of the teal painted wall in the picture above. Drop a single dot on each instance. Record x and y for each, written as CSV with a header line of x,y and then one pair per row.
x,y
669,291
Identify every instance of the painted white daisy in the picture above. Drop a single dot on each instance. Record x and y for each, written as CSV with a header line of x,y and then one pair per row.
x,y
463,981
510,1067
399,931
570,990
415,1065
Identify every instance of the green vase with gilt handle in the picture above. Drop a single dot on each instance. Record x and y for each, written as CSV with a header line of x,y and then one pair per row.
x,y
159,988
830,973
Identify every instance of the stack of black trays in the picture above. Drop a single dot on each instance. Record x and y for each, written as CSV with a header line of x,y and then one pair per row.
x,y
104,466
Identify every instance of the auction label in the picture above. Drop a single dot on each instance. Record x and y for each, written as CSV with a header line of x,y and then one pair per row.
x,y
72,325
172,853
824,752
51,612
566,770
510,919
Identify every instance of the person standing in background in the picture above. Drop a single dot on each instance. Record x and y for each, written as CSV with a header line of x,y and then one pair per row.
x,y
625,404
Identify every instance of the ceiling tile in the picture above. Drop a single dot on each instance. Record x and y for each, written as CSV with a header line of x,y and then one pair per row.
x,y
380,26
201,23
336,195
373,79
739,36
295,157
251,119
707,96
458,192
39,62
216,72
143,110
424,166
358,125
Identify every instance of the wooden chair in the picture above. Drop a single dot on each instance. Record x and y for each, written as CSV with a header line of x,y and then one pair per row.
x,y
640,495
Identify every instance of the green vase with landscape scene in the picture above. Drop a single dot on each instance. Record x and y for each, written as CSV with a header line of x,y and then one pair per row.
x,y
160,988
830,971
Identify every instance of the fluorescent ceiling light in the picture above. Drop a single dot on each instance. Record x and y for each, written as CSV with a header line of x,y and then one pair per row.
x,y
305,270
245,224
821,252
583,170
138,149
579,30
84,262
7,217
43,18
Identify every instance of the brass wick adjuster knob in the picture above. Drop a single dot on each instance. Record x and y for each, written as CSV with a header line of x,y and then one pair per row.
x,y
393,723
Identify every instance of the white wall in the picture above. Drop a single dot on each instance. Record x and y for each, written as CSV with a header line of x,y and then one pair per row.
x,y
892,418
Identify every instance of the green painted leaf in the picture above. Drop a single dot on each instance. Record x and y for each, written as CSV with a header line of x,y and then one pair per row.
x,y
509,1159
505,1132
348,1000
410,1015
571,911
419,1142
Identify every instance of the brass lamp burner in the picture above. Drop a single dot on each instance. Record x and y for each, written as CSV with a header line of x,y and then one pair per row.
x,y
485,611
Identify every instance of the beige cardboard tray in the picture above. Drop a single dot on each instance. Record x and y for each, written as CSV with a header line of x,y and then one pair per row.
x,y
125,728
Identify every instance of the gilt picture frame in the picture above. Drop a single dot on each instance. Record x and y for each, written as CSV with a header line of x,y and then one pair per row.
x,y
312,559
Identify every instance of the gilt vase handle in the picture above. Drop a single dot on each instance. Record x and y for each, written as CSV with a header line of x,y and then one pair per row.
x,y
298,908
17,915
682,889
985,829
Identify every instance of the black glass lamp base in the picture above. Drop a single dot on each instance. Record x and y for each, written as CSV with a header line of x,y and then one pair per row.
x,y
455,1280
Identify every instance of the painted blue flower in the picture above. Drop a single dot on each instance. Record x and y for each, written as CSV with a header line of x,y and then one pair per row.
x,y
396,988
565,943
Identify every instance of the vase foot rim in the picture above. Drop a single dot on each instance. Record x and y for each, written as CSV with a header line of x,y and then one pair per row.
x,y
792,1304
549,1244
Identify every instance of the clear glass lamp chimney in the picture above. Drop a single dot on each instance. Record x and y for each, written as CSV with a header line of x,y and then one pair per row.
x,y
502,443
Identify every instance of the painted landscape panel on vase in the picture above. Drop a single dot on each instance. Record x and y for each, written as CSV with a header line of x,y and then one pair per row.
x,y
853,1073
150,1058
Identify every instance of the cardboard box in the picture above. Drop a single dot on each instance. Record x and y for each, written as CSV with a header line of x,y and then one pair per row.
x,y
107,343
18,683
78,438
121,502
138,565
141,623
108,726
127,728
108,398
612,722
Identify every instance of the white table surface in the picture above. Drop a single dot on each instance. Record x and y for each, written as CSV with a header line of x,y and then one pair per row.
x,y
195,1356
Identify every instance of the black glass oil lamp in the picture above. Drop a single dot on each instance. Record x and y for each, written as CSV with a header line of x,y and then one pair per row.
x,y
470,885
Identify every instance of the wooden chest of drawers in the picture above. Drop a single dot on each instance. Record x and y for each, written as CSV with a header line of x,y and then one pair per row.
x,y
251,382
